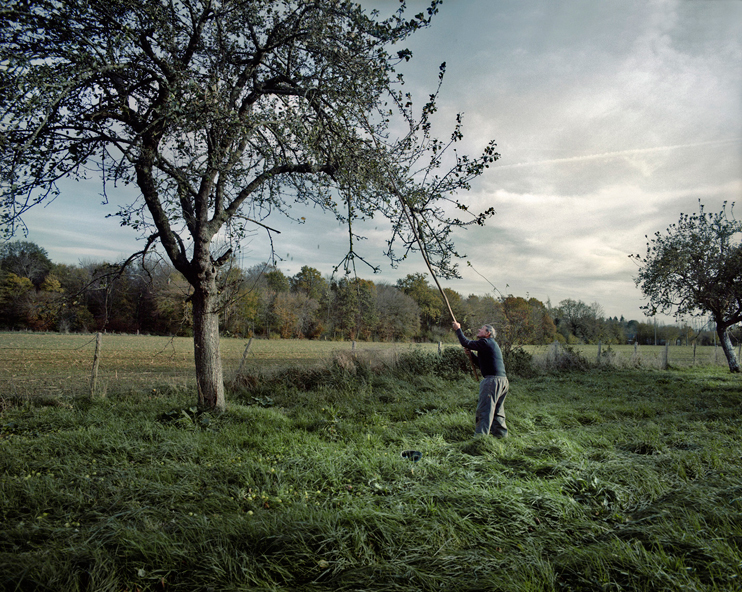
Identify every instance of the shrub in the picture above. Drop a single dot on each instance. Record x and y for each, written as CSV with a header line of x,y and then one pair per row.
x,y
450,363
346,370
453,361
518,362
563,358
415,362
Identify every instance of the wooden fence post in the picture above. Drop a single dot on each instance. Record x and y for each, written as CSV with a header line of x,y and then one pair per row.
x,y
244,357
96,361
666,360
440,348
600,345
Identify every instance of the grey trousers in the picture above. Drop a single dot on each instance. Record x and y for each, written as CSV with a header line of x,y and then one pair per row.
x,y
490,418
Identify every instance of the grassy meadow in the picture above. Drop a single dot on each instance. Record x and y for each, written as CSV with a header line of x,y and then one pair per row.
x,y
60,365
615,477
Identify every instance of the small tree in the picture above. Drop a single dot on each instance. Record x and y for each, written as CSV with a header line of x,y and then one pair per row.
x,y
221,114
696,268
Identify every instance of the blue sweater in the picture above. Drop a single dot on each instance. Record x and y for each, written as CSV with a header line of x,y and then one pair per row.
x,y
489,359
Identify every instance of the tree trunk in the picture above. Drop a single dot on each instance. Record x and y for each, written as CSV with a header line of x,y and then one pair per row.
x,y
208,358
726,345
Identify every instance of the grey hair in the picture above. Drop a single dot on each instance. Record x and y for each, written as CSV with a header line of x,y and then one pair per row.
x,y
491,330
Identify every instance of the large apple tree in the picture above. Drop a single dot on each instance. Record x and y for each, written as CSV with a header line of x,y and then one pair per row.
x,y
695,268
221,113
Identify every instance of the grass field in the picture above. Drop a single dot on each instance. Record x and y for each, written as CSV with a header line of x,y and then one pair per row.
x,y
56,364
612,479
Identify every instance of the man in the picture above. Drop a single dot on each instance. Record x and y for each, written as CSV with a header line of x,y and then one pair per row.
x,y
493,388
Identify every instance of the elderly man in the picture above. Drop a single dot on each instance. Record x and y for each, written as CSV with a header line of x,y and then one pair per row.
x,y
493,388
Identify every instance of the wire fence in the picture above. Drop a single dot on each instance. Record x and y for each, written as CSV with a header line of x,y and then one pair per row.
x,y
59,364
643,356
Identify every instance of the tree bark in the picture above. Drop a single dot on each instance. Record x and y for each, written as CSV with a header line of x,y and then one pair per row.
x,y
209,375
727,347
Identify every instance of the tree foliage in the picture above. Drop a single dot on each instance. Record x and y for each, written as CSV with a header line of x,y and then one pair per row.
x,y
695,267
526,321
152,297
428,299
398,314
26,260
223,114
580,320
310,282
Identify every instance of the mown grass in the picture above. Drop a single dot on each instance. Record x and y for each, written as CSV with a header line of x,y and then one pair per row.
x,y
611,480
56,364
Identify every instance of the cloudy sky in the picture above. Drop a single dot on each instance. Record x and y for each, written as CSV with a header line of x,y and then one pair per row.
x,y
611,117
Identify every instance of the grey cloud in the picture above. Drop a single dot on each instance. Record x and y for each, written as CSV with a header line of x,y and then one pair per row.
x,y
612,117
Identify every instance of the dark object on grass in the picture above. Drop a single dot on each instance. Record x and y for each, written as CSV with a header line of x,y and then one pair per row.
x,y
413,455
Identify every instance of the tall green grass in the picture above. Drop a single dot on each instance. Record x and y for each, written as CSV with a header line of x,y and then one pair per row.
x,y
611,480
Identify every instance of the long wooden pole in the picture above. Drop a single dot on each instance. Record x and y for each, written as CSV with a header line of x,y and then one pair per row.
x,y
244,357
411,221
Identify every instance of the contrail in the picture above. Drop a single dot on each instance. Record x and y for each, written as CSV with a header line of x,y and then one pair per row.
x,y
617,153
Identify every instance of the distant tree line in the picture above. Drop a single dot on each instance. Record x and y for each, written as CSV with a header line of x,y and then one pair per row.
x,y
151,297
